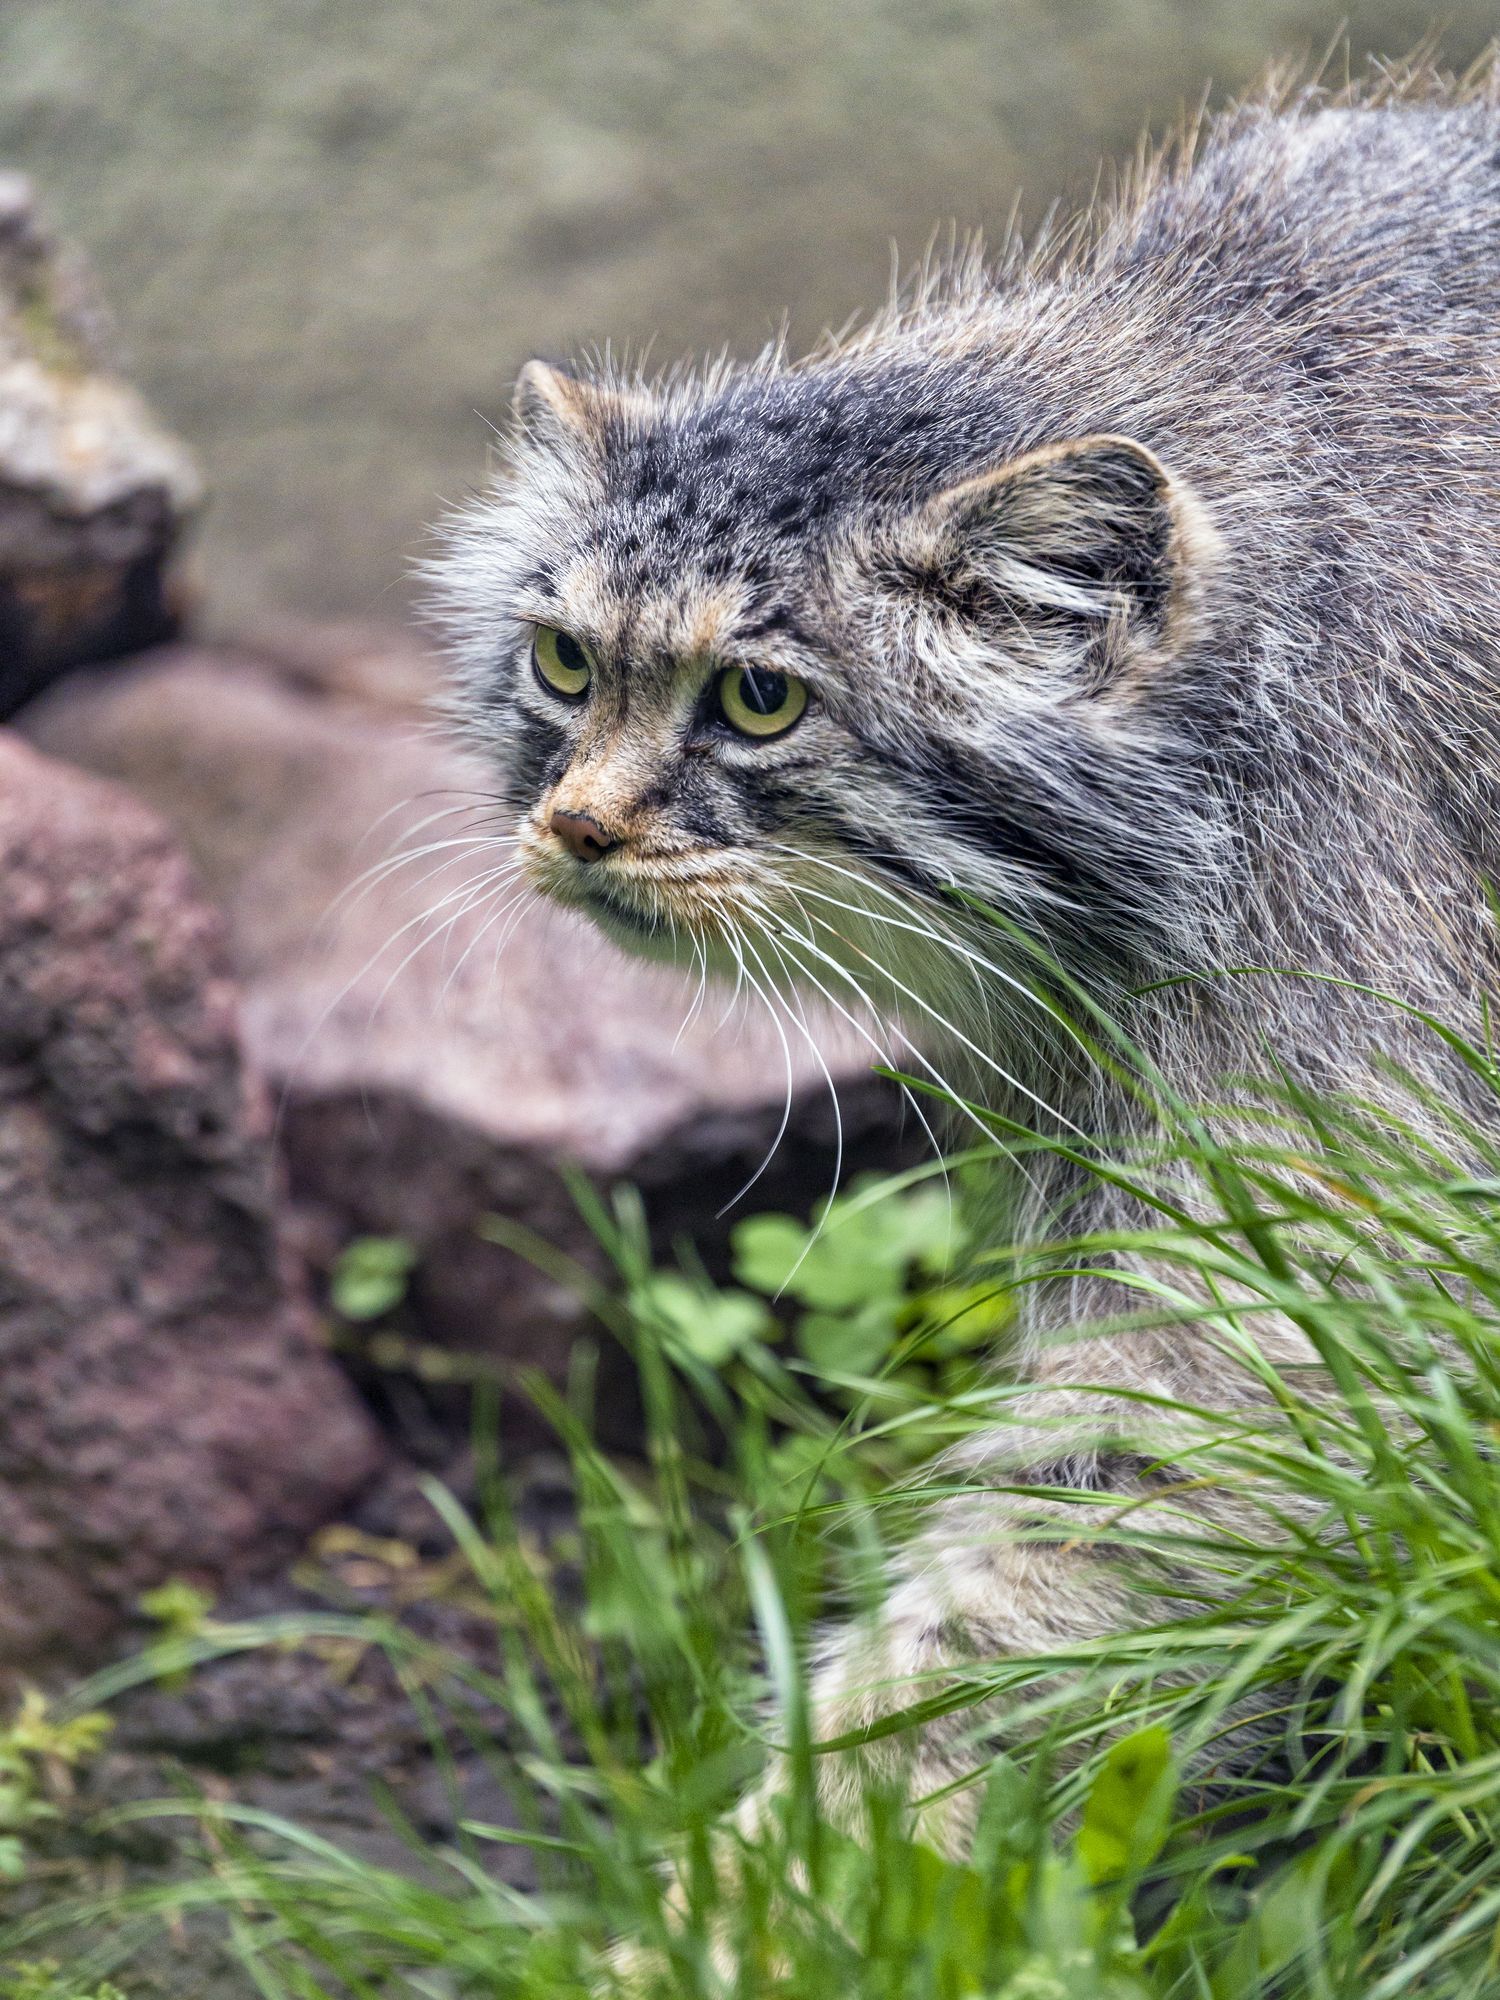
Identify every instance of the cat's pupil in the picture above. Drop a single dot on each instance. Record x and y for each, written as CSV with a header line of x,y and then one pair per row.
x,y
763,690
570,654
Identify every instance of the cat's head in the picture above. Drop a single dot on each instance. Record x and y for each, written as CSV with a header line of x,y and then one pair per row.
x,y
790,653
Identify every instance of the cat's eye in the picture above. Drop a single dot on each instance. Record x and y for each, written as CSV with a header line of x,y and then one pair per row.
x,y
563,663
758,702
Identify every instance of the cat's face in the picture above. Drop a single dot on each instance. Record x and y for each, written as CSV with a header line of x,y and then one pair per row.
x,y
768,669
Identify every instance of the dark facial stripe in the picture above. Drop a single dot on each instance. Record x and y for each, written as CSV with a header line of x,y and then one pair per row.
x,y
890,861
538,759
777,618
770,803
683,796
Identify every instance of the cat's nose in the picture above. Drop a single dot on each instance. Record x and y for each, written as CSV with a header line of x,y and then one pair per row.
x,y
582,835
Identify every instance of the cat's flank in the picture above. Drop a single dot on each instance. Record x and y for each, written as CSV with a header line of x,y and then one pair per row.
x,y
1146,586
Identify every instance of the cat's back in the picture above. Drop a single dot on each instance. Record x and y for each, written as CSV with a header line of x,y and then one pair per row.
x,y
1301,315
1376,205
1340,246
1296,308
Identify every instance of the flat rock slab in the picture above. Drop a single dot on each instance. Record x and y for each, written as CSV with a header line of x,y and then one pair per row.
x,y
166,1407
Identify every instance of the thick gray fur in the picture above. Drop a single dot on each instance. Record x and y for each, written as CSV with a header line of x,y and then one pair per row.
x,y
1146,583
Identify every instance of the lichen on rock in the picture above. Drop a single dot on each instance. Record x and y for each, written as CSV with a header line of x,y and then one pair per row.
x,y
93,492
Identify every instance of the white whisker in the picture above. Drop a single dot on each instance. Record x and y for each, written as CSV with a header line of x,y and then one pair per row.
x,y
738,944
882,1055
949,1028
425,917
331,1006
514,902
808,1036
952,1096
701,954
353,893
975,961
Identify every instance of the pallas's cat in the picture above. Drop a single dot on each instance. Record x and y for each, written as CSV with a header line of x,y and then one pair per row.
x,y
1143,586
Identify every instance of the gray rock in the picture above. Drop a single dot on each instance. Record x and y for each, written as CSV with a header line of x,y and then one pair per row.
x,y
93,492
166,1407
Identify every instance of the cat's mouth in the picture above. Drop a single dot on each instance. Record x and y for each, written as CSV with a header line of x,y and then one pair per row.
x,y
644,898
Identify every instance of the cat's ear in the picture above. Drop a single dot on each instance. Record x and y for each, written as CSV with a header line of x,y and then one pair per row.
x,y
553,406
549,401
1089,552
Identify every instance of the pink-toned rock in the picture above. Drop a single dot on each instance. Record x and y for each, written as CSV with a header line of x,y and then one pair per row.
x,y
436,1068
165,1405
287,787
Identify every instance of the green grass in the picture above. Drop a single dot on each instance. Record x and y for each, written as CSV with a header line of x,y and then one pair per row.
x,y
645,1680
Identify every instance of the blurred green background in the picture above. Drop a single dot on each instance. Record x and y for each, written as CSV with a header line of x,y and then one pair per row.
x,y
332,229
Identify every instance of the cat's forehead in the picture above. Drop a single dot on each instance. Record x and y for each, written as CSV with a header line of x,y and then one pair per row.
x,y
744,481
677,618
702,521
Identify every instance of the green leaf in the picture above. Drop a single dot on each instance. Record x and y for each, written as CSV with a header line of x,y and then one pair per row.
x,y
182,1611
46,1980
963,1317
370,1276
798,1459
848,1343
178,1605
926,1222
1285,1917
850,1261
711,1326
1129,1808
766,1249
36,1731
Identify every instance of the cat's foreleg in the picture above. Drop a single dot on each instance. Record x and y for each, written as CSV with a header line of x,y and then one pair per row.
x,y
987,1580
991,1577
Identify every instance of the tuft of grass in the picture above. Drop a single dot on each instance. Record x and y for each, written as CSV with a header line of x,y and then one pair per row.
x,y
45,1980
791,1425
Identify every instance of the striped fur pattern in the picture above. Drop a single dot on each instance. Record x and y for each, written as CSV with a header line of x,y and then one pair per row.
x,y
1145,584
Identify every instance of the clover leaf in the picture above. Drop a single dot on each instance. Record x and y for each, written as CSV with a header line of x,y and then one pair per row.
x,y
710,1326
